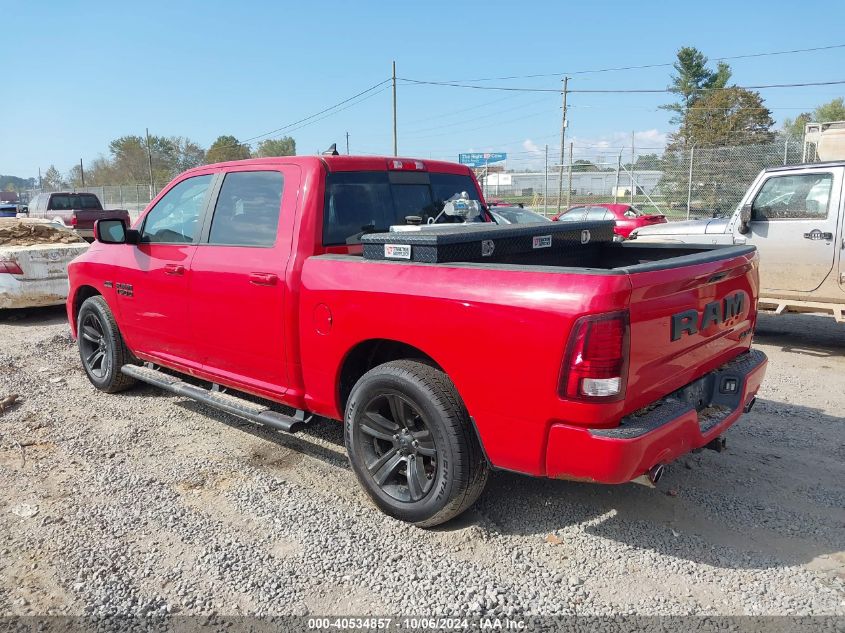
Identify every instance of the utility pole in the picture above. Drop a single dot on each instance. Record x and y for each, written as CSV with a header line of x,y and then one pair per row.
x,y
569,188
689,182
347,143
633,185
616,186
150,163
395,142
82,173
40,183
562,145
546,184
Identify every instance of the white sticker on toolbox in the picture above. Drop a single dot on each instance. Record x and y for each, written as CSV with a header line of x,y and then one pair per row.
x,y
542,241
397,251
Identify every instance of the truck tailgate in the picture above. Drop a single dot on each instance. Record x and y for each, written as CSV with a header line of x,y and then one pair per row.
x,y
85,218
688,317
42,261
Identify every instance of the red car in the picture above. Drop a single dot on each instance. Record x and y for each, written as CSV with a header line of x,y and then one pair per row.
x,y
446,350
627,217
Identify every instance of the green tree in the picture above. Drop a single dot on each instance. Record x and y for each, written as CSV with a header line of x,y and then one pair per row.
x,y
74,176
186,154
693,79
129,161
226,148
731,116
831,111
101,172
284,146
52,179
584,165
718,124
646,162
16,183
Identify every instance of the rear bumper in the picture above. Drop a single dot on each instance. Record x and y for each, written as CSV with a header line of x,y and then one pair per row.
x,y
683,421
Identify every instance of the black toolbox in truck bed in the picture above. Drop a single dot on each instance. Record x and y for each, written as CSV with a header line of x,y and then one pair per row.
x,y
487,242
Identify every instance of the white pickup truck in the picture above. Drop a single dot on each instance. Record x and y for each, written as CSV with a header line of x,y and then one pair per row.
x,y
794,216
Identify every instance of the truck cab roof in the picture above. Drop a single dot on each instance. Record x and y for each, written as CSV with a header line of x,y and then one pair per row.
x,y
349,163
830,163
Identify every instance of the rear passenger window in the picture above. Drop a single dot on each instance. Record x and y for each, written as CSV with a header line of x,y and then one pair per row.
x,y
247,209
597,213
575,214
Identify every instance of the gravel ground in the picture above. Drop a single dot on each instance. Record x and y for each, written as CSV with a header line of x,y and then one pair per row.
x,y
145,503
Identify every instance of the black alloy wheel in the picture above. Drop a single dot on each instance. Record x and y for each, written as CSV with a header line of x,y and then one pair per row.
x,y
93,345
101,346
411,443
400,453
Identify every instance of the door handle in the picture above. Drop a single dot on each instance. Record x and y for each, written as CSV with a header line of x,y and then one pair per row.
x,y
174,269
815,234
263,279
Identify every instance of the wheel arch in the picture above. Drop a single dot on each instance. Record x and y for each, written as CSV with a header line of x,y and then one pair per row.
x,y
370,353
82,293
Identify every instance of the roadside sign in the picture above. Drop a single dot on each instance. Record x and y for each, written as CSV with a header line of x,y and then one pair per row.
x,y
480,159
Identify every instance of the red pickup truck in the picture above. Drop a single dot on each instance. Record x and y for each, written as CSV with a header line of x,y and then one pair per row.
x,y
78,211
598,365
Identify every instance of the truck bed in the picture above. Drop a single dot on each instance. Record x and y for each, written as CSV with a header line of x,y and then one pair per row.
x,y
513,320
606,256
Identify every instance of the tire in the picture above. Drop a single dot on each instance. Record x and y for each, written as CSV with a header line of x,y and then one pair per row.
x,y
426,468
101,346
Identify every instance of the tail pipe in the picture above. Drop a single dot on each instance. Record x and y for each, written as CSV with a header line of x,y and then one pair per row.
x,y
651,477
655,473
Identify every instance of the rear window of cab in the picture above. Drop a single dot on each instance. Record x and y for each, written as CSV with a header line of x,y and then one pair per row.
x,y
360,202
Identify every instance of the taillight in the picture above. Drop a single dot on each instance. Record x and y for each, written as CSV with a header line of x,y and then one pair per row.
x,y
595,366
10,266
73,220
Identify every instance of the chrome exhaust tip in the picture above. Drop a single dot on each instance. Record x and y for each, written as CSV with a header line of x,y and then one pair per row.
x,y
655,473
750,405
650,478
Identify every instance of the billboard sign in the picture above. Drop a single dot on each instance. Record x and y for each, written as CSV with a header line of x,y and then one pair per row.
x,y
480,159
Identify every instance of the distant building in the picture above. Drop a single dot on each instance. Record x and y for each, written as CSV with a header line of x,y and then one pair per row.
x,y
8,196
595,183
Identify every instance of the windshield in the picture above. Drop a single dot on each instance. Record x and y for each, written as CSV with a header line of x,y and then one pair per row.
x,y
66,202
515,215
362,202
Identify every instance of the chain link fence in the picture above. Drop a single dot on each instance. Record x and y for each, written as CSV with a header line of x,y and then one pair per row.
x,y
680,183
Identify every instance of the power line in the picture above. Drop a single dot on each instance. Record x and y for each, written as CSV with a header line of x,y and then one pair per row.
x,y
462,110
616,90
483,116
311,119
482,127
647,66
316,114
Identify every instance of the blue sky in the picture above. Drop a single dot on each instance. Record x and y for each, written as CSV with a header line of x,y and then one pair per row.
x,y
83,73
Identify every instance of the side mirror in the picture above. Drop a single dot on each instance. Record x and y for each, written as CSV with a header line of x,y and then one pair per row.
x,y
113,231
744,218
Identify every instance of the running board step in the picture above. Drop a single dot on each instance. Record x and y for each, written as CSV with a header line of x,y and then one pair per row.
x,y
222,401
